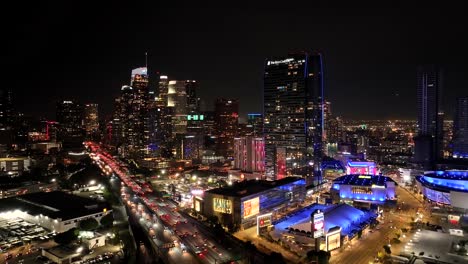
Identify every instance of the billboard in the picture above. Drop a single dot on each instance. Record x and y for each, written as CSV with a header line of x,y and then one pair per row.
x,y
263,222
251,207
333,239
195,117
318,223
222,205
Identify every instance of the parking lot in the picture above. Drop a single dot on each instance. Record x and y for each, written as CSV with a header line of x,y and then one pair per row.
x,y
16,232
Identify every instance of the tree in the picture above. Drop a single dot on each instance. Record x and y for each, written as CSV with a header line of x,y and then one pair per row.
x,y
89,224
359,233
67,236
213,220
107,220
276,258
387,249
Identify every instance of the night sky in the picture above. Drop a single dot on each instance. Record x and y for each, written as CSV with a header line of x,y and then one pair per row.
x,y
72,51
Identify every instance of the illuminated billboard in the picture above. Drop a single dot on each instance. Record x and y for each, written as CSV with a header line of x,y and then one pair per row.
x,y
222,205
263,222
333,239
195,117
251,207
318,223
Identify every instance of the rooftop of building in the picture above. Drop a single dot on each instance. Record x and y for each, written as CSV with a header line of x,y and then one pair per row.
x,y
363,180
448,174
7,183
341,215
246,188
64,251
14,159
53,205
442,184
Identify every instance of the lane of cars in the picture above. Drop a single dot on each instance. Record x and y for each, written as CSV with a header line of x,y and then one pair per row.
x,y
154,211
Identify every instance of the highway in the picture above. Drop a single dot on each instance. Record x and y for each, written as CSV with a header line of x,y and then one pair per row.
x,y
189,241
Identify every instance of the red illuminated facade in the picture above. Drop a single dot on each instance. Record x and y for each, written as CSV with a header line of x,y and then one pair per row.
x,y
249,154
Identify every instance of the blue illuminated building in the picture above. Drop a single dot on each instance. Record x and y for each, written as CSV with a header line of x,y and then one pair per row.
x,y
445,187
342,215
364,188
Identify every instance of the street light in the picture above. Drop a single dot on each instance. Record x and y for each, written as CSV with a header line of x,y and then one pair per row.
x,y
92,182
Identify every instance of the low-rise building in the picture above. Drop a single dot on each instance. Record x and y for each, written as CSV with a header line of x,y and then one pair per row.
x,y
14,165
15,189
56,211
63,254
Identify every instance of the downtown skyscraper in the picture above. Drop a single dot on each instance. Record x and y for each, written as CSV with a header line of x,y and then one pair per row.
x,y
429,139
91,121
130,124
293,116
460,131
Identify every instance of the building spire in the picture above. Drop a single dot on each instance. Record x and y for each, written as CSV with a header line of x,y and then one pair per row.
x,y
146,60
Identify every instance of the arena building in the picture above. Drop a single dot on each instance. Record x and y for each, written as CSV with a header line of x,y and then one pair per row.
x,y
445,187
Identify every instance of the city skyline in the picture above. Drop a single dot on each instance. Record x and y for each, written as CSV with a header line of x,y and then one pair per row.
x,y
89,61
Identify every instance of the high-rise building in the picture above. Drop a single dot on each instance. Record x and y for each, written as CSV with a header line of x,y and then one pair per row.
x,y
249,154
255,124
193,102
226,121
460,131
165,114
430,115
177,103
124,135
293,115
131,120
6,108
91,120
70,118
139,83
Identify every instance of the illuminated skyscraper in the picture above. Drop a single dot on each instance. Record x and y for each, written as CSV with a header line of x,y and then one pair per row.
x,y
255,124
226,121
91,121
249,154
177,103
460,131
293,114
139,83
124,134
428,143
70,118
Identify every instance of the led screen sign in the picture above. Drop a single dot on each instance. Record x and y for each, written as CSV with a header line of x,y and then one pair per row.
x,y
222,205
318,223
195,117
251,207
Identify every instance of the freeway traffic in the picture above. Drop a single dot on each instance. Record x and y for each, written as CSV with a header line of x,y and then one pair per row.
x,y
176,236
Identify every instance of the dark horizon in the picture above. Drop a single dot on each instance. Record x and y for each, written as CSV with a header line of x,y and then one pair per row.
x,y
86,53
